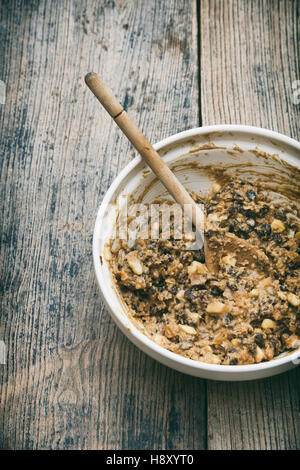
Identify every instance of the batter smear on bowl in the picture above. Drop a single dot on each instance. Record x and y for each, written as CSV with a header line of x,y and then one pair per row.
x,y
248,311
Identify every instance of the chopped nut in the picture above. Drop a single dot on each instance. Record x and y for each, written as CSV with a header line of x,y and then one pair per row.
x,y
140,283
259,354
171,330
215,187
292,342
235,342
188,329
269,352
297,236
121,257
107,253
254,293
155,273
135,263
192,317
229,259
266,282
277,226
124,276
180,294
293,299
267,323
170,280
115,246
215,217
197,279
213,359
281,295
197,267
217,307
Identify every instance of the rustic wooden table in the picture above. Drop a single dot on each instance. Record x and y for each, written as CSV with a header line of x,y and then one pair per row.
x,y
72,380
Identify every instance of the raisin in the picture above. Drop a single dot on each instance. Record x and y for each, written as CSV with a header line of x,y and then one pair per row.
x,y
151,291
264,231
259,339
282,286
237,196
240,229
251,195
242,234
263,211
143,295
173,289
198,255
215,290
161,284
209,234
278,214
233,208
249,213
233,362
189,294
252,349
277,238
294,265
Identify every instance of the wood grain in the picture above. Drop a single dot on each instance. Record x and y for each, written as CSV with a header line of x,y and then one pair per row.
x,y
249,53
249,59
72,381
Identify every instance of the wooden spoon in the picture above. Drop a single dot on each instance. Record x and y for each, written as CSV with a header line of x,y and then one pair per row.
x,y
149,154
212,251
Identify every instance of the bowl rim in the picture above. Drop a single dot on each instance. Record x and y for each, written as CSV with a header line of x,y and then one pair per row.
x,y
132,332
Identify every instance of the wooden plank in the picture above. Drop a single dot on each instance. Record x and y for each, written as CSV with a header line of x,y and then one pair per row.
x,y
72,380
249,59
254,415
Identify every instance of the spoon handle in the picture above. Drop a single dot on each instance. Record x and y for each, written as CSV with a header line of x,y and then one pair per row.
x,y
144,148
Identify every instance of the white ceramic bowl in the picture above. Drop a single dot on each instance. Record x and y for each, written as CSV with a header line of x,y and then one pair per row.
x,y
180,151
